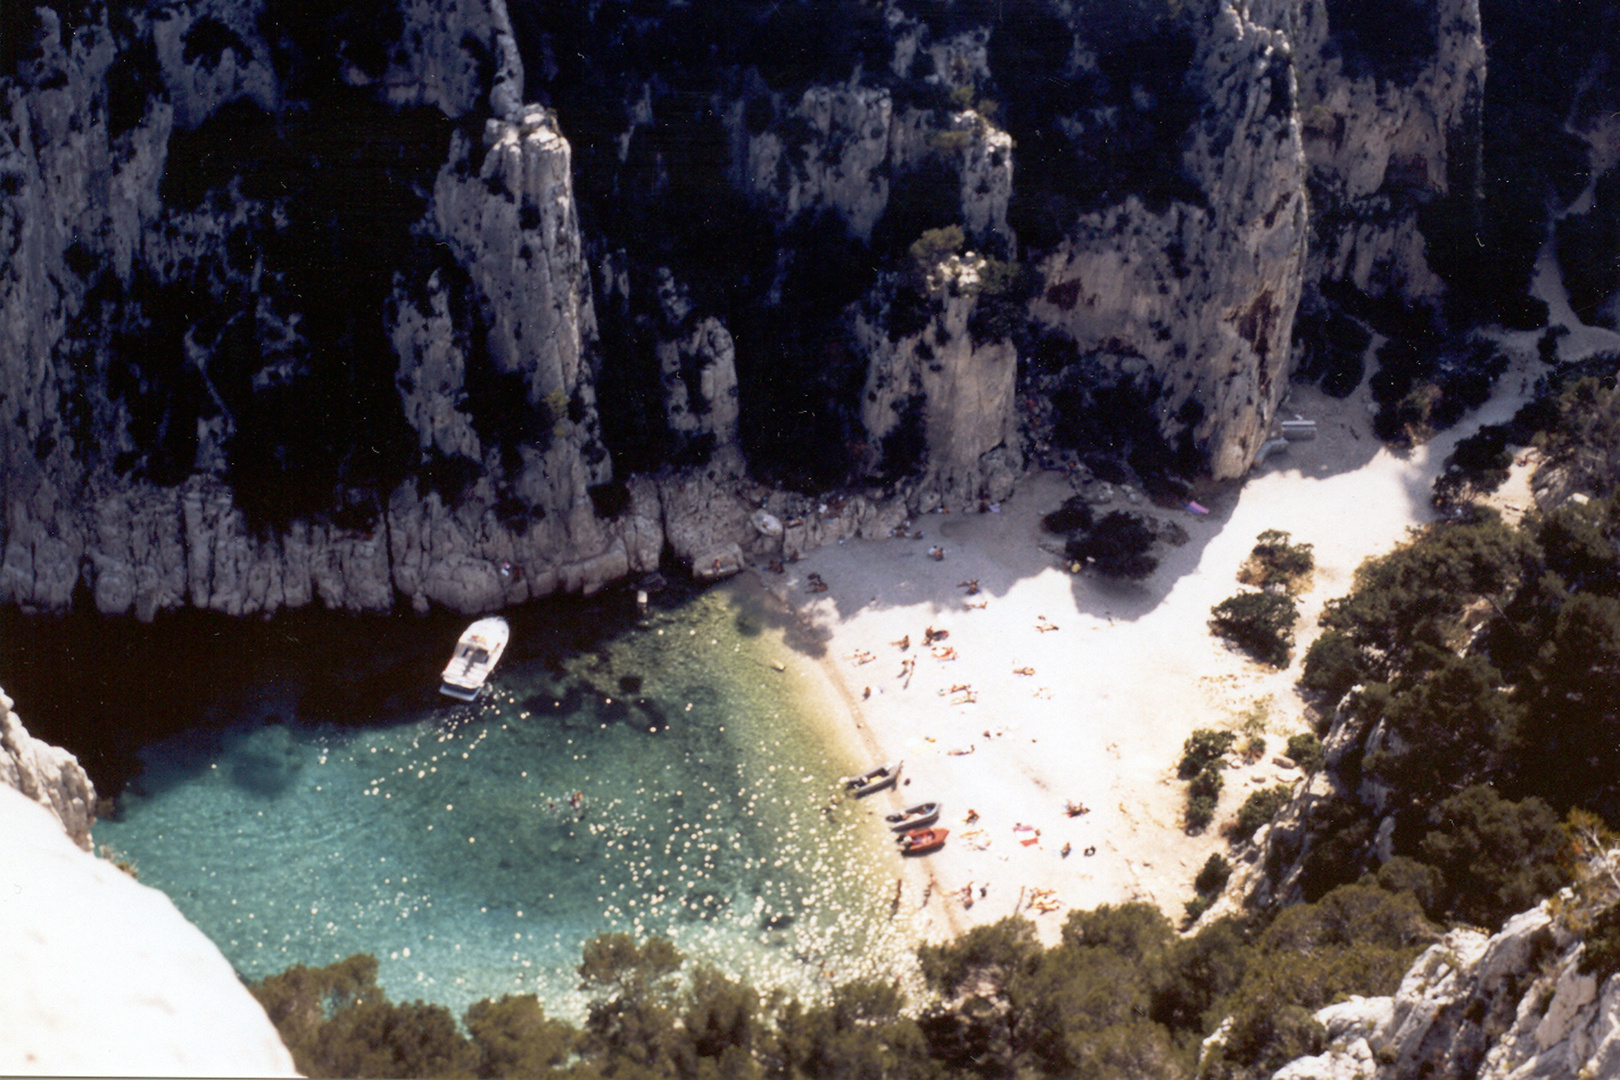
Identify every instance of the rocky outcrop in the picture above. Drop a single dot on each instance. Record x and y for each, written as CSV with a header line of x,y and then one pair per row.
x,y
165,1001
942,396
219,219
100,975
1198,301
1513,1004
48,775
1382,139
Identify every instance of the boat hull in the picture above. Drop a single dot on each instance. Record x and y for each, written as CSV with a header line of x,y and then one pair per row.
x,y
922,841
476,654
872,780
913,817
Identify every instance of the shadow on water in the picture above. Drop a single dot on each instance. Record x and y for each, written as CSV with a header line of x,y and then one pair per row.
x,y
206,684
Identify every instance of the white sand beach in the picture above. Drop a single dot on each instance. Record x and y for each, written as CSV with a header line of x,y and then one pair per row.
x,y
1048,688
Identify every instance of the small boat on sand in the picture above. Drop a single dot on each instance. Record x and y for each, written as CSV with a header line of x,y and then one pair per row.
x,y
913,817
475,657
872,780
922,841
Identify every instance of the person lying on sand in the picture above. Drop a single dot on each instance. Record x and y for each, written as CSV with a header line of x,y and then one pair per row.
x,y
944,652
931,635
903,644
1023,671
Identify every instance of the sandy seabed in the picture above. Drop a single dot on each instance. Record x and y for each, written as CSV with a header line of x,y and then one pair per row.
x,y
1049,688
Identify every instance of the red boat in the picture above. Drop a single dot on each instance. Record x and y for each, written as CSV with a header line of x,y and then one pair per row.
x,y
922,841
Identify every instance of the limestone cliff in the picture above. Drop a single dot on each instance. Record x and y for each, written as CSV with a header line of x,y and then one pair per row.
x,y
102,976
165,1001
428,302
1514,1004
48,775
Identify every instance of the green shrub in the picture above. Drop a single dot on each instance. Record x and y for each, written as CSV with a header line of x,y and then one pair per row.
x,y
1497,856
1275,561
1209,781
1257,810
1199,813
1214,876
1305,750
1259,623
1332,665
1073,516
1406,875
1601,956
1117,546
1203,794
1203,746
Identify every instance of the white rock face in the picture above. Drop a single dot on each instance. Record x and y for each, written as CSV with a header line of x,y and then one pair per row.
x,y
1206,297
48,775
102,976
1375,147
854,139
1511,1006
964,393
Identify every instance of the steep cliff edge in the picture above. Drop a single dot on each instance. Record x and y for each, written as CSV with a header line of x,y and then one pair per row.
x,y
100,975
430,303
48,775
1521,1003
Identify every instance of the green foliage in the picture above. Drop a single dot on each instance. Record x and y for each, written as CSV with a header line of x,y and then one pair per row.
x,y
1406,875
1601,954
1278,562
1260,623
1497,857
933,247
1073,516
1478,465
336,1021
1008,949
1202,747
515,1037
1257,810
861,1033
1355,940
1203,794
1117,546
1198,813
1455,720
1332,665
631,1014
1306,751
1416,593
1214,875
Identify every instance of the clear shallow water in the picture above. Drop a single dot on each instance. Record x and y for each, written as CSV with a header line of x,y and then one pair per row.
x,y
667,783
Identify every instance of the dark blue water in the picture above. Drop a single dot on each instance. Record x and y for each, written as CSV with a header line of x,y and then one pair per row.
x,y
474,848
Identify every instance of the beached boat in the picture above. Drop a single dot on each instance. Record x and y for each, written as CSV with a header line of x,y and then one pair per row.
x,y
922,841
872,779
475,657
913,817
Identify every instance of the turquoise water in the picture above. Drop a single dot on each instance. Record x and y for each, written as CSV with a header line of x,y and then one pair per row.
x,y
666,782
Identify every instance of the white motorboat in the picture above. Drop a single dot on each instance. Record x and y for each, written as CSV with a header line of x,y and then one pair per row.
x,y
475,657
